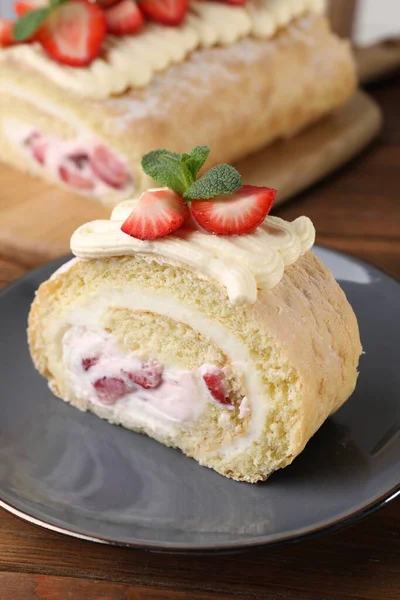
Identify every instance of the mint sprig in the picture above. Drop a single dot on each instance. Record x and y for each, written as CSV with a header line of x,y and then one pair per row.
x,y
30,22
26,26
179,173
220,180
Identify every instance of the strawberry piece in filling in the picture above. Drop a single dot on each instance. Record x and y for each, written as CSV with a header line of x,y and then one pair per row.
x,y
110,389
74,175
88,362
108,167
215,384
38,145
149,376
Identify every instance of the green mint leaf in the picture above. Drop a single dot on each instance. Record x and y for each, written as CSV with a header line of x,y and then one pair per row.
x,y
222,179
166,168
25,27
196,159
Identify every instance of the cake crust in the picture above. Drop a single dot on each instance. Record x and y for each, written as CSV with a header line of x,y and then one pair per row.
x,y
306,320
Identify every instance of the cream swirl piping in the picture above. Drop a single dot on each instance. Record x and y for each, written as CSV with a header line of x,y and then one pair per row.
x,y
243,264
132,61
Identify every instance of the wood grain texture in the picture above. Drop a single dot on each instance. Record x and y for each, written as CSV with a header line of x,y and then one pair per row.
x,y
289,166
358,211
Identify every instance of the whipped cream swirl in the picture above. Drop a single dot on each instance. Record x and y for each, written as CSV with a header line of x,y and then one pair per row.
x,y
132,61
243,264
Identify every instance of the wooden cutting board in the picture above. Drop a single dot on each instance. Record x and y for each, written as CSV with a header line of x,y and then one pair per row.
x,y
37,219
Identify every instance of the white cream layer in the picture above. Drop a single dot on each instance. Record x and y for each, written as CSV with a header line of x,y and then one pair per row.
x,y
58,151
132,61
242,264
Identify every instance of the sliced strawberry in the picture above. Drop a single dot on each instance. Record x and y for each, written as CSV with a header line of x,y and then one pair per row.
x,y
108,167
235,2
149,376
72,176
73,32
88,362
38,146
123,18
237,213
158,213
110,389
6,33
24,6
215,384
106,3
166,12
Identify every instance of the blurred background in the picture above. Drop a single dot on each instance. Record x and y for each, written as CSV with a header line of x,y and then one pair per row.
x,y
365,21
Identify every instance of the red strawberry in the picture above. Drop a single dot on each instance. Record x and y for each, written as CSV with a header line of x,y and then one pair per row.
x,y
88,362
73,176
240,212
149,376
158,213
106,3
235,2
125,17
110,389
25,6
167,12
108,167
6,33
214,382
73,32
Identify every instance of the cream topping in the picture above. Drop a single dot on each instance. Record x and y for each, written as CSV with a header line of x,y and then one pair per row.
x,y
132,61
242,264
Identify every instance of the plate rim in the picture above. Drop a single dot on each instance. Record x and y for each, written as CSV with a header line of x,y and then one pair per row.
x,y
184,548
304,534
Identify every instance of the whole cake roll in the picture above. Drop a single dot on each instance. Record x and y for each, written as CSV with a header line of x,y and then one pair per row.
x,y
233,77
211,328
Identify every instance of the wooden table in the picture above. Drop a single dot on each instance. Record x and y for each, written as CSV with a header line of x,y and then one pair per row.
x,y
358,211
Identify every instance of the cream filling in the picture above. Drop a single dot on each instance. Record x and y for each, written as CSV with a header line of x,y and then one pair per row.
x,y
87,314
132,61
57,154
179,398
242,264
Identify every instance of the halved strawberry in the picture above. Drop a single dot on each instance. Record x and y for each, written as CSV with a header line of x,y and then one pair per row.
x,y
149,376
108,167
237,213
235,2
73,32
6,33
166,12
23,6
106,3
110,389
158,212
123,18
214,382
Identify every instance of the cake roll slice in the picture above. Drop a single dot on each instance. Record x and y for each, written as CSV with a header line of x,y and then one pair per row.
x,y
233,77
234,349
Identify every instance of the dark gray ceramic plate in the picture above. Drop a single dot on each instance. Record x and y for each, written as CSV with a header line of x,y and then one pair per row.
x,y
72,472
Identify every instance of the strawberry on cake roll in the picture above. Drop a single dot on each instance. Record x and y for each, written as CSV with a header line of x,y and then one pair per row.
x,y
196,318
96,84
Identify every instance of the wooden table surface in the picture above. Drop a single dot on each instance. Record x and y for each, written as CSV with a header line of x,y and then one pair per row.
x,y
357,210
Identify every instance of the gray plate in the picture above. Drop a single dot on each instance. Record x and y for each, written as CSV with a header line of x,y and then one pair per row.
x,y
72,472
